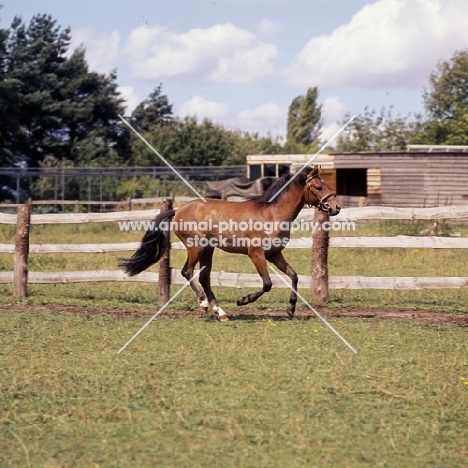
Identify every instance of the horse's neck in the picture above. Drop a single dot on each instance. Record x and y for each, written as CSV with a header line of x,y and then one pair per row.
x,y
290,204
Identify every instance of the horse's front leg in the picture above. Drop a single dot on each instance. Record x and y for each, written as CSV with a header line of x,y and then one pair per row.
x,y
257,255
280,262
206,261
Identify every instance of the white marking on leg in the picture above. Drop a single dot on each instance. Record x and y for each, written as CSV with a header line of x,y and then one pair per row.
x,y
204,304
221,314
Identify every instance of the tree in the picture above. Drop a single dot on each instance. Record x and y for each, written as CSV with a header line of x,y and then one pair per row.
x,y
446,103
9,125
376,132
304,119
55,111
185,142
58,107
91,130
154,110
32,59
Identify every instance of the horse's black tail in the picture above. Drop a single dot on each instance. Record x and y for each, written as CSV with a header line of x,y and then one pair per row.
x,y
151,248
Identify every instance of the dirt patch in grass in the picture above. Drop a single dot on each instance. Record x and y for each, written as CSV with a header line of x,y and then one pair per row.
x,y
420,315
372,313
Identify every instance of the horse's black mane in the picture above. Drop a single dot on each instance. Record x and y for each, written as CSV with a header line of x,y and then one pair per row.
x,y
299,181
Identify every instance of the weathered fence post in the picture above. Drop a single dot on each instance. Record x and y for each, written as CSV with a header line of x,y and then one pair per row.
x,y
164,263
20,275
319,266
76,211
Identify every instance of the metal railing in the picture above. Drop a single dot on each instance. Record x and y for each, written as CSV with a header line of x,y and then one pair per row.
x,y
20,178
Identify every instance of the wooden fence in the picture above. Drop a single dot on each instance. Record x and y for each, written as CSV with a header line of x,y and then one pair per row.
x,y
127,204
20,276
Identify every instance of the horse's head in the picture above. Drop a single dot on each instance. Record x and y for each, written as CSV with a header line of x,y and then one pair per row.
x,y
317,193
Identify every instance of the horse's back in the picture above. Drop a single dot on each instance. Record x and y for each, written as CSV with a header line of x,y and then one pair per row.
x,y
199,210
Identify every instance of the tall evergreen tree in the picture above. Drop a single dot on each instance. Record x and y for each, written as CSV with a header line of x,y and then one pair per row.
x,y
154,110
60,109
9,125
304,119
33,57
90,104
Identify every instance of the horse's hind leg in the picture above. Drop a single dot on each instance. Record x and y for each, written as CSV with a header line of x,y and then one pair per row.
x,y
257,255
206,260
193,256
279,261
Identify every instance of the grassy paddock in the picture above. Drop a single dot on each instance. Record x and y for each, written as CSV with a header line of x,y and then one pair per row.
x,y
195,392
192,392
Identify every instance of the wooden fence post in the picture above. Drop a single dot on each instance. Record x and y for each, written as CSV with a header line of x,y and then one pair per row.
x,y
20,275
164,263
319,262
76,211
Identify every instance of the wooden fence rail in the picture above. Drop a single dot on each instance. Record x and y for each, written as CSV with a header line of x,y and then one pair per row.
x,y
385,212
129,203
403,242
244,280
346,215
80,218
240,280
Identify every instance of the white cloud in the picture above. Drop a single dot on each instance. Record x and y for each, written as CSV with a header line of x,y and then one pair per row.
x,y
202,108
267,26
387,43
264,118
333,111
102,48
329,130
221,53
246,65
130,96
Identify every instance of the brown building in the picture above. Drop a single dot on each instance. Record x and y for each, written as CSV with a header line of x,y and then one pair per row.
x,y
421,176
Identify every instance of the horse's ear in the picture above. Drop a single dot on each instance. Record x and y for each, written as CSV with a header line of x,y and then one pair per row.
x,y
315,170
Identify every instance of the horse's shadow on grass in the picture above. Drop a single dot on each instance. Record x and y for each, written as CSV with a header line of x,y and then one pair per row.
x,y
256,317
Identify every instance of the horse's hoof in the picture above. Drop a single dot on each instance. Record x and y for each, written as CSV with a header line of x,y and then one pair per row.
x,y
242,301
222,317
290,312
204,305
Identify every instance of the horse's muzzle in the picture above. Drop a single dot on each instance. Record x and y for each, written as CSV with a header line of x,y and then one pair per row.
x,y
332,211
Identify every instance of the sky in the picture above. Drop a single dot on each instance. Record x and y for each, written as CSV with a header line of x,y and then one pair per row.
x,y
242,62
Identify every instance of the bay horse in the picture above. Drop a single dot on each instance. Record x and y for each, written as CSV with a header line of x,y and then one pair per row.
x,y
258,227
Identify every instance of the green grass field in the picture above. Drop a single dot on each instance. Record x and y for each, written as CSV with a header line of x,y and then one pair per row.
x,y
193,392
